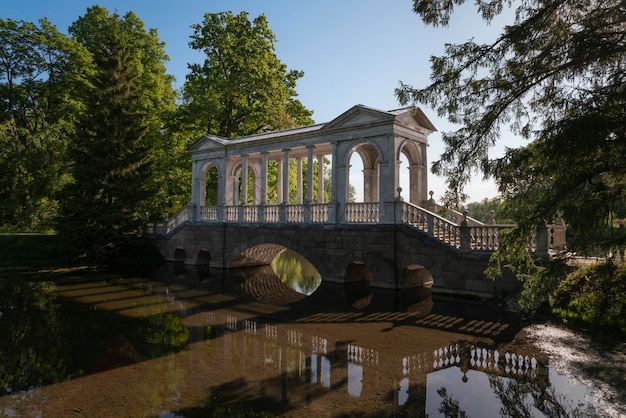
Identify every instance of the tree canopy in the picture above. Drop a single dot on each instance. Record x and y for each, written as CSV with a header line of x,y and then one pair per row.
x,y
554,76
241,88
125,99
38,66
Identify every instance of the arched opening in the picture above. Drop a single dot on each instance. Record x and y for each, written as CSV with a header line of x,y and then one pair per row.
x,y
357,284
211,186
363,175
180,255
249,197
204,257
416,275
405,178
296,271
276,274
413,173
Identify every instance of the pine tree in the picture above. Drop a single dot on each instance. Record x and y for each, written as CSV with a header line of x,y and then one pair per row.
x,y
106,202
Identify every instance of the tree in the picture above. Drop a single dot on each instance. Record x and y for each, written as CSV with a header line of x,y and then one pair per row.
x,y
113,150
38,66
556,77
242,88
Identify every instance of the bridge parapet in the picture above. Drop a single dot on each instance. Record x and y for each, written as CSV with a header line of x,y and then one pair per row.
x,y
463,236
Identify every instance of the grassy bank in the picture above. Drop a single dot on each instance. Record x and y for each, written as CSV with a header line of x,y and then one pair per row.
x,y
31,249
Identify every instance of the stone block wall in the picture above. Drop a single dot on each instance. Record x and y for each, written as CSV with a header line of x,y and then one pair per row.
x,y
386,250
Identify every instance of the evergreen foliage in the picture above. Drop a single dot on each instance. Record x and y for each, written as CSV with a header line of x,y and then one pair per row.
x,y
110,195
556,76
594,295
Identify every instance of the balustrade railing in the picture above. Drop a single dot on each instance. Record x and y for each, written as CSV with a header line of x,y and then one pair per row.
x,y
367,212
209,213
469,236
319,213
294,213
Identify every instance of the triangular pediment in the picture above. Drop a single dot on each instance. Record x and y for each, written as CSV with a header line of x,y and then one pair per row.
x,y
207,143
414,117
359,115
363,115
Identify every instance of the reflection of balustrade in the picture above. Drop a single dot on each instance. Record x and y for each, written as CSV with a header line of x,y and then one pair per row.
x,y
360,355
310,361
319,344
484,359
250,326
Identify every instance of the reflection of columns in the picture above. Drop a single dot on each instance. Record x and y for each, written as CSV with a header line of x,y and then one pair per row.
x,y
244,179
320,179
286,176
299,181
279,182
309,173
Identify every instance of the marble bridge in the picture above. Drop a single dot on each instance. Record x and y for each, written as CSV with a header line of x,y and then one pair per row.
x,y
254,196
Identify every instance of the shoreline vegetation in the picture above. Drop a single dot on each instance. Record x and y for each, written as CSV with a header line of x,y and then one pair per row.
x,y
592,297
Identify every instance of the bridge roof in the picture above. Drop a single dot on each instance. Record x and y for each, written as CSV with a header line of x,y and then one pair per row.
x,y
357,117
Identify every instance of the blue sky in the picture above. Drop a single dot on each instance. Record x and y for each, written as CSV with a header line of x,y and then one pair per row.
x,y
351,51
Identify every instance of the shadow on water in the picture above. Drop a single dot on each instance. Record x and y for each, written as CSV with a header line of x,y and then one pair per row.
x,y
245,343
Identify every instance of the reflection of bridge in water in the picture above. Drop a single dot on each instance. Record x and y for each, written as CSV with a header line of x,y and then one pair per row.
x,y
311,365
236,216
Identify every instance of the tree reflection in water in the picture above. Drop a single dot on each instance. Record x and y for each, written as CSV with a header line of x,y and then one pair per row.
x,y
521,397
296,272
214,351
46,339
32,352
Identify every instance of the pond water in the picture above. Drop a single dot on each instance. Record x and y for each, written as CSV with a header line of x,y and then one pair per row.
x,y
182,342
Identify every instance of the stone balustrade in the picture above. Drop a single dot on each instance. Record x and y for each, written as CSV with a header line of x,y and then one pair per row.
x,y
464,235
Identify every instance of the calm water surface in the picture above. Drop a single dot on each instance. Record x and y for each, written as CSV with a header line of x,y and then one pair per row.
x,y
183,342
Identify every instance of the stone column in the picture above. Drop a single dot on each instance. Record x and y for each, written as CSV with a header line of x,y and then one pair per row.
x,y
416,194
262,200
309,173
279,182
320,179
244,180
370,185
196,190
299,181
286,176
221,188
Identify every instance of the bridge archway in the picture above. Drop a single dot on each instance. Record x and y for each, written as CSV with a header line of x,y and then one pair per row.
x,y
278,272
